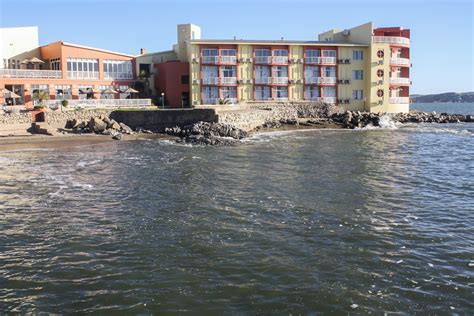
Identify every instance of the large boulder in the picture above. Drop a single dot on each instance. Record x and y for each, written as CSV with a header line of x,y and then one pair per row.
x,y
124,128
96,125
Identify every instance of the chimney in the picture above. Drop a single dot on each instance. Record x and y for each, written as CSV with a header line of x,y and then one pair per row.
x,y
142,51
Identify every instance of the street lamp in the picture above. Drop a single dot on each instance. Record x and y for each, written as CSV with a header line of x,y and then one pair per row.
x,y
163,100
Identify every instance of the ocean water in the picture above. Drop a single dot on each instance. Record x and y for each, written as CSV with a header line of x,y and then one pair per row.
x,y
330,221
456,108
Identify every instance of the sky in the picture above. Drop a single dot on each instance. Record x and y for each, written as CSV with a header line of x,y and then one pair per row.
x,y
441,31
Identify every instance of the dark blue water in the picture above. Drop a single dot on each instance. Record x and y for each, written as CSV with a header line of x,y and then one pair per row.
x,y
325,221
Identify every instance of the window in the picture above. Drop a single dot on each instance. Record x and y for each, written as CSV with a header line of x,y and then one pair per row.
x,y
229,92
228,52
210,72
280,52
209,52
313,53
329,71
311,72
263,52
228,71
143,68
262,93
281,92
357,74
63,92
311,93
262,71
121,69
79,68
185,79
280,71
329,91
329,53
209,95
357,54
357,94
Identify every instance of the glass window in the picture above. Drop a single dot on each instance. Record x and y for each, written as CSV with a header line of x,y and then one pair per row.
x,y
312,93
79,66
357,94
228,71
262,93
329,53
209,52
280,52
263,52
313,53
228,52
329,91
280,71
357,74
357,55
329,71
311,72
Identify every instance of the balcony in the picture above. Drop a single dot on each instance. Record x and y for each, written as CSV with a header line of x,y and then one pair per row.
x,y
83,75
210,60
228,80
400,62
329,100
280,60
228,59
320,80
210,81
393,40
321,60
399,100
280,80
263,60
31,73
263,80
101,103
400,81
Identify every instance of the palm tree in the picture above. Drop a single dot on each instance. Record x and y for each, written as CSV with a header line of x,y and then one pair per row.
x,y
41,96
223,101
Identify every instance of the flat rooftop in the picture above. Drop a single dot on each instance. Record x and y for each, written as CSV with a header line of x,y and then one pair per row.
x,y
266,42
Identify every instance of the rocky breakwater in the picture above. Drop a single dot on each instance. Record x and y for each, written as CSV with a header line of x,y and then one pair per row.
x,y
432,117
204,133
101,124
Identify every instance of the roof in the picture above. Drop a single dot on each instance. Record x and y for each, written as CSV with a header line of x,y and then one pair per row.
x,y
92,48
266,42
157,53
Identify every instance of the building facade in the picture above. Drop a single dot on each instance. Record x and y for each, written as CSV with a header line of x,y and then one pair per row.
x,y
64,71
363,68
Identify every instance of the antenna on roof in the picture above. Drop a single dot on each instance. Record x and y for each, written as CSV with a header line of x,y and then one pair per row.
x,y
281,38
235,38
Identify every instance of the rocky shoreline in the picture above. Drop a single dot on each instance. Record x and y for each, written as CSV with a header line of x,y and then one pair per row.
x,y
226,133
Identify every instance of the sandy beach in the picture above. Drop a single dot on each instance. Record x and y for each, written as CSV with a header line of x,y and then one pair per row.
x,y
63,141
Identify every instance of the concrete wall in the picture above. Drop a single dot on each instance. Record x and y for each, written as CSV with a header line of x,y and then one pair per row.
x,y
168,81
159,120
153,59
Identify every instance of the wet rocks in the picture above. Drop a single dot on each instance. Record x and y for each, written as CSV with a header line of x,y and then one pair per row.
x,y
101,124
356,119
205,133
433,117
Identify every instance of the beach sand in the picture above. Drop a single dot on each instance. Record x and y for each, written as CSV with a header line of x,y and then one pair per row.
x,y
64,141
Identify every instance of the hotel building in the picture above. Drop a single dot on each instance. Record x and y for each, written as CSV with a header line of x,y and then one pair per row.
x,y
362,68
79,74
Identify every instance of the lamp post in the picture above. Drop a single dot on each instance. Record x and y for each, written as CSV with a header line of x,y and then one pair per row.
x,y
163,100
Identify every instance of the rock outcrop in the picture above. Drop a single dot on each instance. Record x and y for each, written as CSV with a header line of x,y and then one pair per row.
x,y
204,133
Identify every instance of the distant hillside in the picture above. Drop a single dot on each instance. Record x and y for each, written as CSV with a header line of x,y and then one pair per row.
x,y
466,97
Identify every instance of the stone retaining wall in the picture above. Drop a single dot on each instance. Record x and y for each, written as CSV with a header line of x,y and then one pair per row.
x,y
255,115
16,118
59,119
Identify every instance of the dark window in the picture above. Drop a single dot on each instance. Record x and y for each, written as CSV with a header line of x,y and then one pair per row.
x,y
185,79
145,70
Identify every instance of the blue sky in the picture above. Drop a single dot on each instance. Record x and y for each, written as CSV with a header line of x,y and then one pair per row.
x,y
442,31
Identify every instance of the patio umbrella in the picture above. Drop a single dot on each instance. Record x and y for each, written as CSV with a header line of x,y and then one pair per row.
x,y
35,60
25,61
4,91
13,95
130,90
109,91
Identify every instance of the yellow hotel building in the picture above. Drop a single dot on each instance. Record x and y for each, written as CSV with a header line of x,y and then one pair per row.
x,y
362,68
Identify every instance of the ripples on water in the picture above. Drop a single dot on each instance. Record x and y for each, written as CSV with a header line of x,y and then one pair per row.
x,y
287,222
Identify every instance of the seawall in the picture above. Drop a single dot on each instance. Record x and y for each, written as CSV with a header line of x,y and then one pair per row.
x,y
159,120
